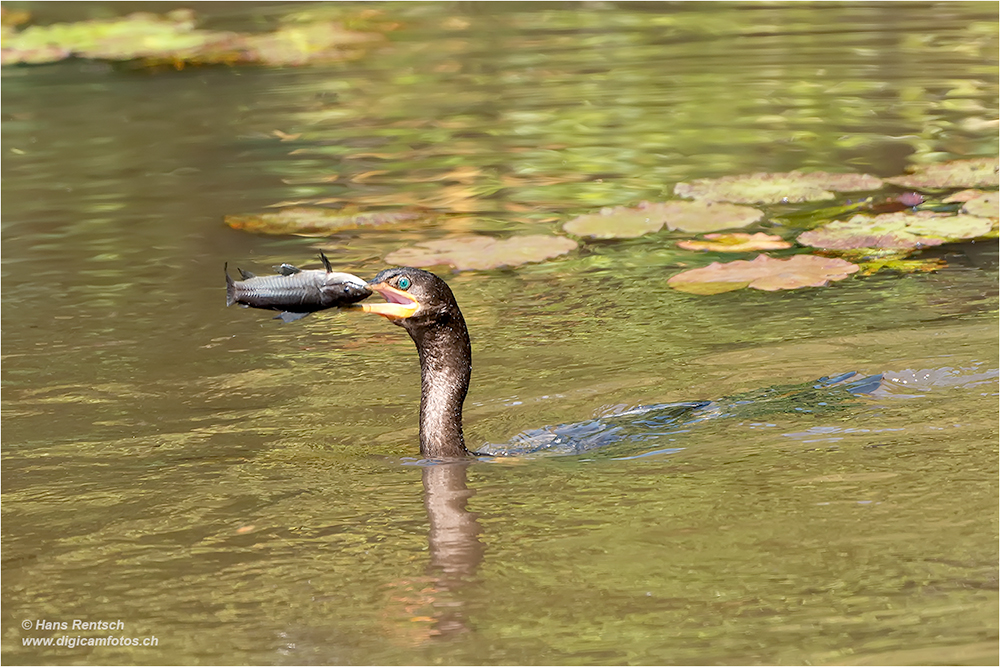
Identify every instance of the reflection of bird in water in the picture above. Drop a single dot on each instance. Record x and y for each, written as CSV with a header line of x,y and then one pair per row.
x,y
424,305
421,608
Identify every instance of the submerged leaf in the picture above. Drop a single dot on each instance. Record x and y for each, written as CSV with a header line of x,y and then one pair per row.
x,y
763,273
898,231
900,265
473,252
764,188
979,172
317,221
737,242
623,222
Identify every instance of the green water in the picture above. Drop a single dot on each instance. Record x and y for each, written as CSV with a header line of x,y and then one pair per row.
x,y
247,492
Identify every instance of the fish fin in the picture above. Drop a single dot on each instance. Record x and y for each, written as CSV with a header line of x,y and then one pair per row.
x,y
287,269
246,274
230,287
287,317
326,262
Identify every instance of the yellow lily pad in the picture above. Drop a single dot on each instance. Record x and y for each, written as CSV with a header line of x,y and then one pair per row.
x,y
623,222
895,231
476,253
736,242
975,173
776,188
305,221
763,273
985,206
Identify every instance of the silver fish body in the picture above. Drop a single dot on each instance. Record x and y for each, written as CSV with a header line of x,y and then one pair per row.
x,y
296,292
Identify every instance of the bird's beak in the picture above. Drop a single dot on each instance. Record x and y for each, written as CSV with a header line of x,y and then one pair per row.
x,y
399,306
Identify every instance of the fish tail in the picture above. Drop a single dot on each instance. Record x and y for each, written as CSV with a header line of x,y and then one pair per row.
x,y
230,287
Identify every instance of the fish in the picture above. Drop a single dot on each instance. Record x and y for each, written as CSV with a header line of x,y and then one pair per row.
x,y
296,292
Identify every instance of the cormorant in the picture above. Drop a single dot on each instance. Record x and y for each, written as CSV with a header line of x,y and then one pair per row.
x,y
424,305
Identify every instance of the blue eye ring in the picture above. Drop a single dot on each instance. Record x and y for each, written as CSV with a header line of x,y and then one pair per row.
x,y
404,283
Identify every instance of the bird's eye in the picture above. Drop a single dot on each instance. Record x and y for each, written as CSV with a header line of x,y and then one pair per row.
x,y
404,283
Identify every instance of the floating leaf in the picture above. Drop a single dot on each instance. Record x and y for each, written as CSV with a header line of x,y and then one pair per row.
x,y
32,55
300,45
963,196
985,206
138,35
317,221
617,223
763,188
708,216
898,231
473,252
624,223
737,242
763,273
173,38
979,172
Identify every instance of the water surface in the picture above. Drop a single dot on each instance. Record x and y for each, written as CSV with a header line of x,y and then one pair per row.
x,y
248,492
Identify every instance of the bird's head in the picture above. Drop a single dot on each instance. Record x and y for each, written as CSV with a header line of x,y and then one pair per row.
x,y
414,297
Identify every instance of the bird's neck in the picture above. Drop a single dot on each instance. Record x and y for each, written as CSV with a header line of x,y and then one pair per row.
x,y
445,371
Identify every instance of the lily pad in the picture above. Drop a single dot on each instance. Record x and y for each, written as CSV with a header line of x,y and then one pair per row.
x,y
172,38
138,35
300,45
306,221
625,223
963,196
895,231
975,173
475,253
737,242
619,222
779,188
985,206
763,273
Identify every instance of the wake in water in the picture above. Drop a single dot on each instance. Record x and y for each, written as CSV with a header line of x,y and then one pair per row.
x,y
630,433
